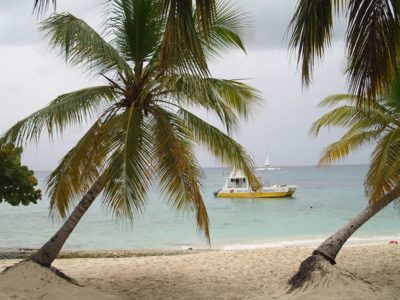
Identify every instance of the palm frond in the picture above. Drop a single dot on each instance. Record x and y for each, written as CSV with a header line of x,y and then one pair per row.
x,y
82,45
178,171
382,177
348,143
40,6
373,40
181,45
66,110
392,97
227,99
347,116
342,116
236,94
78,169
311,33
336,99
227,32
127,176
377,124
137,27
220,145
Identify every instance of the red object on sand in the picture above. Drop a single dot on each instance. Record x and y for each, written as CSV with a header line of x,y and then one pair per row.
x,y
393,242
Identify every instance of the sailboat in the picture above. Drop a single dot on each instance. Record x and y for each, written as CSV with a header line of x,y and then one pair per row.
x,y
267,166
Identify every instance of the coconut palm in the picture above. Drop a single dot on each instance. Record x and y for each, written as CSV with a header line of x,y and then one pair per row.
x,y
372,40
379,125
144,129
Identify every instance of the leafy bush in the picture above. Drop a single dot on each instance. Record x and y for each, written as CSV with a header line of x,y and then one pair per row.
x,y
17,183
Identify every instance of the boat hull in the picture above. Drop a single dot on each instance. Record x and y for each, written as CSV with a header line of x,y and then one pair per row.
x,y
257,194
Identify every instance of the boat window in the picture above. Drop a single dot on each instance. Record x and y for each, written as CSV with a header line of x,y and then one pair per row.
x,y
237,183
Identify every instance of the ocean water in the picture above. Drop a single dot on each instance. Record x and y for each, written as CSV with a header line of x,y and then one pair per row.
x,y
325,200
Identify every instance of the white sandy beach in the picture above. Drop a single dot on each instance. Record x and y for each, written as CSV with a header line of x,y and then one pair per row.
x,y
241,274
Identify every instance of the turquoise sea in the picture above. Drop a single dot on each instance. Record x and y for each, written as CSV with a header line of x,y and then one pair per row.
x,y
325,200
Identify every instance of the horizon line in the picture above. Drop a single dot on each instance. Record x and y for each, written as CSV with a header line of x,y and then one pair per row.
x,y
227,167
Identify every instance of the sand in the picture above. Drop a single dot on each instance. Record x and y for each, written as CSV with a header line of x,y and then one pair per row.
x,y
28,280
363,272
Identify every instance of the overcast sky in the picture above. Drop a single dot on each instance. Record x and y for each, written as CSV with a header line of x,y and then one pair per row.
x,y
31,75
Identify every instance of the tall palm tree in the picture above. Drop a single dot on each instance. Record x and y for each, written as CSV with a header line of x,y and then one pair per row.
x,y
379,125
144,129
372,41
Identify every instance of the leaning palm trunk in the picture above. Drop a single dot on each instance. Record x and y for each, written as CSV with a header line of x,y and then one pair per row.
x,y
330,248
49,251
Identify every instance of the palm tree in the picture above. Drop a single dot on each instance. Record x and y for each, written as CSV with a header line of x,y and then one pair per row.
x,y
372,41
378,124
144,130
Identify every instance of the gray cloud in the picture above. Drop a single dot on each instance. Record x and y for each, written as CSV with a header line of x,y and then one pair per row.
x,y
19,26
31,76
271,20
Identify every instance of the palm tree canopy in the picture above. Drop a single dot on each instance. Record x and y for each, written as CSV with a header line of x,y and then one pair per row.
x,y
372,41
378,124
143,130
180,34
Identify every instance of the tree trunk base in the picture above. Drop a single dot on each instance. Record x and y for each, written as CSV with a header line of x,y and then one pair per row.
x,y
53,269
29,280
318,274
42,258
303,275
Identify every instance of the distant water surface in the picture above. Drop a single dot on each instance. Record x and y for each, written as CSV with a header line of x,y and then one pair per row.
x,y
325,200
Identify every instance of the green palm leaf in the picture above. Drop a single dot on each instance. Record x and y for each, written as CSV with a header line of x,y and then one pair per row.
x,y
348,143
66,110
41,5
337,99
137,28
377,124
382,177
178,171
83,46
351,116
372,41
181,42
221,145
230,26
311,28
227,99
78,169
128,170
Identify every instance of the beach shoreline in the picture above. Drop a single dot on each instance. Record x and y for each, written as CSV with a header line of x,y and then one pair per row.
x,y
22,253
227,274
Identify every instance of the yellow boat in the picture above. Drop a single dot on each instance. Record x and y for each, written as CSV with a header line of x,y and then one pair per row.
x,y
237,186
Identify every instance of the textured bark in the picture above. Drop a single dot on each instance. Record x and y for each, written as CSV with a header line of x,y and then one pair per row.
x,y
49,251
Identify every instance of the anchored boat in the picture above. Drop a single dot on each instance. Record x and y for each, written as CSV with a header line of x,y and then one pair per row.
x,y
237,186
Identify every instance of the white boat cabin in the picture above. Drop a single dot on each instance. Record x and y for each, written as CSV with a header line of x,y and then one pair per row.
x,y
237,180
